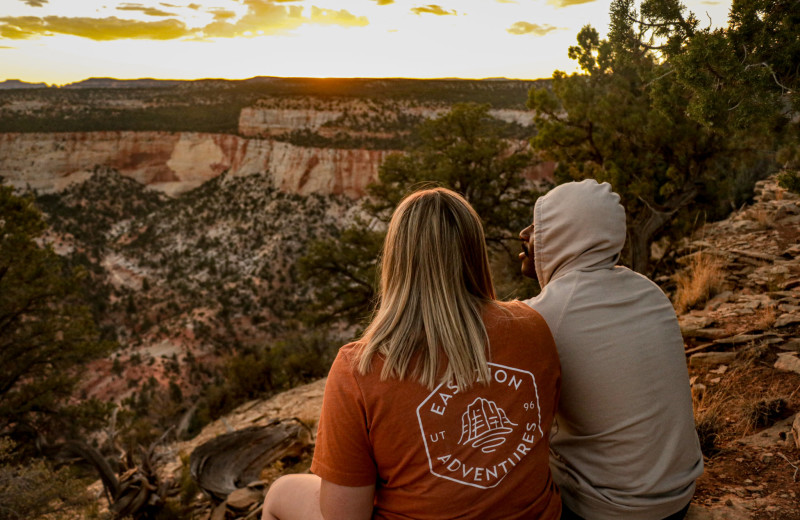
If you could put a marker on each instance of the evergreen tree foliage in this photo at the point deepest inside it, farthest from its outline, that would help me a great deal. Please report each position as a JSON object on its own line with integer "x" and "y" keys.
{"x": 643, "y": 115}
{"x": 462, "y": 150}
{"x": 46, "y": 332}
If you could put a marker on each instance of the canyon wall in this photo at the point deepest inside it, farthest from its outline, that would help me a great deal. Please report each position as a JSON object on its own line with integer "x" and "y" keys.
{"x": 177, "y": 162}
{"x": 259, "y": 121}
{"x": 255, "y": 121}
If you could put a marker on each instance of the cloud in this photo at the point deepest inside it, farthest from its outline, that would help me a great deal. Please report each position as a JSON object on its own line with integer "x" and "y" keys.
{"x": 34, "y": 3}
{"x": 267, "y": 17}
{"x": 149, "y": 11}
{"x": 222, "y": 14}
{"x": 98, "y": 29}
{"x": 567, "y": 3}
{"x": 384, "y": 2}
{"x": 506, "y": 1}
{"x": 531, "y": 28}
{"x": 262, "y": 17}
{"x": 333, "y": 17}
{"x": 432, "y": 9}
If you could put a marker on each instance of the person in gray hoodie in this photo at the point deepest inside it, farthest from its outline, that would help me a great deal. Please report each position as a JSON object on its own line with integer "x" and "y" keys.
{"x": 624, "y": 445}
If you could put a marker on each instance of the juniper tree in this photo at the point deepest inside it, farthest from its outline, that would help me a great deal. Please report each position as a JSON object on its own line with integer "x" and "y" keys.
{"x": 630, "y": 118}
{"x": 47, "y": 333}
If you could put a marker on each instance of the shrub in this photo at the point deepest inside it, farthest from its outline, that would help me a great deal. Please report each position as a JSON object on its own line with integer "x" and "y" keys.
{"x": 36, "y": 489}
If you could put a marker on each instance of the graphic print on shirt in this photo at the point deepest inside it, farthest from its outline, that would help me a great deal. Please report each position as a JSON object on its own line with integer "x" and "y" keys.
{"x": 484, "y": 425}
{"x": 476, "y": 437}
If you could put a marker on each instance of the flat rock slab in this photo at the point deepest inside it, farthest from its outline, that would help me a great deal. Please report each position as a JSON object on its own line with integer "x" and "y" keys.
{"x": 740, "y": 338}
{"x": 776, "y": 435}
{"x": 689, "y": 323}
{"x": 788, "y": 361}
{"x": 704, "y": 359}
{"x": 731, "y": 508}
{"x": 796, "y": 430}
{"x": 784, "y": 320}
{"x": 708, "y": 333}
{"x": 244, "y": 498}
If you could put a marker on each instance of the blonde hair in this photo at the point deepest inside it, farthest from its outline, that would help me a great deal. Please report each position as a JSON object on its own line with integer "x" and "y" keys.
{"x": 435, "y": 281}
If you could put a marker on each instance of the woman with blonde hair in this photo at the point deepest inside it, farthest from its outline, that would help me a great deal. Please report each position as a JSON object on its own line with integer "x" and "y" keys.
{"x": 442, "y": 409}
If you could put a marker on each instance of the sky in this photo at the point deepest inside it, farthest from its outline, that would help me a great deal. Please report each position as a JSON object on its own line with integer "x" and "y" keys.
{"x": 63, "y": 41}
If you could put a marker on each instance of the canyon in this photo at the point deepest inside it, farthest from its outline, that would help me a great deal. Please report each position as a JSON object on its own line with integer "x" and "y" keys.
{"x": 175, "y": 163}
{"x": 193, "y": 236}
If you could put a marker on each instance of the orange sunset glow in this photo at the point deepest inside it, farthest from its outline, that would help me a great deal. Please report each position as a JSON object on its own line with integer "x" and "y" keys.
{"x": 59, "y": 42}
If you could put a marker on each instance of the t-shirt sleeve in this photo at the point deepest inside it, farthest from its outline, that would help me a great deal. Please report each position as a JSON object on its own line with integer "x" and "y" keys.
{"x": 343, "y": 452}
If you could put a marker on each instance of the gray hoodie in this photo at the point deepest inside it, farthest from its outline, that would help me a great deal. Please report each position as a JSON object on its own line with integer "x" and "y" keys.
{"x": 625, "y": 444}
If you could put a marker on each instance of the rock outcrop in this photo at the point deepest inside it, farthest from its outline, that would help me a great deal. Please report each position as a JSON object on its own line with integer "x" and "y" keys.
{"x": 178, "y": 162}
{"x": 743, "y": 359}
{"x": 255, "y": 121}
{"x": 260, "y": 121}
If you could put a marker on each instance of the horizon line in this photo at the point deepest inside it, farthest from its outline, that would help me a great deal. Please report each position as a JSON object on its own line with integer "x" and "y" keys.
{"x": 109, "y": 78}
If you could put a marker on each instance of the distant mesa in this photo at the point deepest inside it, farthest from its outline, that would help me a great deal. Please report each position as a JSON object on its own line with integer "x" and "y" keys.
{"x": 10, "y": 84}
{"x": 123, "y": 83}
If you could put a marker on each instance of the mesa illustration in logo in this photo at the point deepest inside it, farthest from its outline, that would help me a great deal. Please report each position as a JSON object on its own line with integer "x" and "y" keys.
{"x": 476, "y": 437}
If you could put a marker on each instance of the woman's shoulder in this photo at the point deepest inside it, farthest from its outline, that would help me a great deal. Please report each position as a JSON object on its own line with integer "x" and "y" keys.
{"x": 517, "y": 316}
{"x": 512, "y": 310}
{"x": 348, "y": 355}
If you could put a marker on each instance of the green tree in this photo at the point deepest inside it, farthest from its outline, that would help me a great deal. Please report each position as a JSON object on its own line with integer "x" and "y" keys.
{"x": 744, "y": 76}
{"x": 46, "y": 331}
{"x": 623, "y": 119}
{"x": 461, "y": 150}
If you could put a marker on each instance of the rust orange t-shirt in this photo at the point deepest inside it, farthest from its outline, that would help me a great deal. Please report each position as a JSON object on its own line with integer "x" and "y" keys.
{"x": 443, "y": 454}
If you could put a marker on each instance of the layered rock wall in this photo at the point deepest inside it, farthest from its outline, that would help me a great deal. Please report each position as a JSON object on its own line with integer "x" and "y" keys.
{"x": 268, "y": 121}
{"x": 271, "y": 121}
{"x": 177, "y": 162}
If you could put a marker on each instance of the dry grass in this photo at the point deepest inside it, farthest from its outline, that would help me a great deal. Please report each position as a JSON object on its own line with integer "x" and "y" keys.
{"x": 747, "y": 398}
{"x": 757, "y": 413}
{"x": 764, "y": 218}
{"x": 700, "y": 280}
{"x": 764, "y": 319}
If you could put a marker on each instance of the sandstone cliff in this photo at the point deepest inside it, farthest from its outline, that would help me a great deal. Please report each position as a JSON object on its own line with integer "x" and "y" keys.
{"x": 177, "y": 162}
{"x": 272, "y": 119}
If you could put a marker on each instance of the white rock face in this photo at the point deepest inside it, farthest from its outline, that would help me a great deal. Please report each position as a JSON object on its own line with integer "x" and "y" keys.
{"x": 254, "y": 121}
{"x": 177, "y": 162}
{"x": 521, "y": 117}
{"x": 266, "y": 121}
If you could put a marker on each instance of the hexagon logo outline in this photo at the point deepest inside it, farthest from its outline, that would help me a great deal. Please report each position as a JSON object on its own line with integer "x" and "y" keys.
{"x": 476, "y": 438}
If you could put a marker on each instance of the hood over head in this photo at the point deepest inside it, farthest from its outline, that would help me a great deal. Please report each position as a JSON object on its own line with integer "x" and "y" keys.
{"x": 577, "y": 226}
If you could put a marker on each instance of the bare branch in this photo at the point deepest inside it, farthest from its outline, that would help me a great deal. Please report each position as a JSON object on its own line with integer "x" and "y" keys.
{"x": 646, "y": 85}
{"x": 784, "y": 88}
